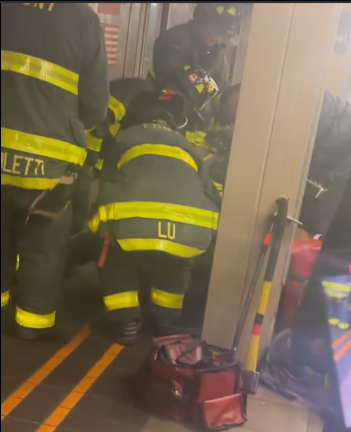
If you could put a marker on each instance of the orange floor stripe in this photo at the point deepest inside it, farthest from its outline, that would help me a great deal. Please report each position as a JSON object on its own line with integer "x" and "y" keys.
{"x": 341, "y": 339}
{"x": 343, "y": 350}
{"x": 27, "y": 387}
{"x": 61, "y": 412}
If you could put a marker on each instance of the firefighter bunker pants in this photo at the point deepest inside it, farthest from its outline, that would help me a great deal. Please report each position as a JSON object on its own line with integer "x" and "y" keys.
{"x": 168, "y": 276}
{"x": 41, "y": 245}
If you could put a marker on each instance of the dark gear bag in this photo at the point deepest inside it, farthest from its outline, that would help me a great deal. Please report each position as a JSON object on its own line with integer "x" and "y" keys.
{"x": 189, "y": 381}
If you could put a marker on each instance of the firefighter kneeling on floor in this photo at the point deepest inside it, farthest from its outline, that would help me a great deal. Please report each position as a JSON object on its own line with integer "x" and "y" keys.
{"x": 157, "y": 211}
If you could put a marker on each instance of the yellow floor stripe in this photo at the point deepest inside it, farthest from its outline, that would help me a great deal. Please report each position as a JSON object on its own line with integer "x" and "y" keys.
{"x": 61, "y": 412}
{"x": 38, "y": 377}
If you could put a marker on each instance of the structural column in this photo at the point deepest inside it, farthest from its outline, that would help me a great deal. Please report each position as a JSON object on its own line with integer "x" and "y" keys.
{"x": 284, "y": 76}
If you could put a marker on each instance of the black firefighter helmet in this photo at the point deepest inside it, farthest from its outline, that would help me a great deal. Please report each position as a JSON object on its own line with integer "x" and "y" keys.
{"x": 224, "y": 17}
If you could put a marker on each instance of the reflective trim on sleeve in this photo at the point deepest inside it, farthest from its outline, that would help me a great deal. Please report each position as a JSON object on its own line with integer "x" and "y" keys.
{"x": 117, "y": 108}
{"x": 167, "y": 300}
{"x": 5, "y": 298}
{"x": 155, "y": 210}
{"x": 17, "y": 263}
{"x": 218, "y": 186}
{"x": 40, "y": 69}
{"x": 115, "y": 128}
{"x": 157, "y": 150}
{"x": 122, "y": 301}
{"x": 336, "y": 290}
{"x": 28, "y": 182}
{"x": 93, "y": 143}
{"x": 34, "y": 321}
{"x": 99, "y": 164}
{"x": 167, "y": 246}
{"x": 42, "y": 146}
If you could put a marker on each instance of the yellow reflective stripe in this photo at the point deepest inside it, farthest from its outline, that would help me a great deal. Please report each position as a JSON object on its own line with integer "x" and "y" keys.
{"x": 99, "y": 164}
{"x": 17, "y": 263}
{"x": 198, "y": 139}
{"x": 117, "y": 108}
{"x": 336, "y": 295}
{"x": 34, "y": 321}
{"x": 122, "y": 301}
{"x": 42, "y": 146}
{"x": 152, "y": 72}
{"x": 219, "y": 187}
{"x": 158, "y": 150}
{"x": 332, "y": 286}
{"x": 156, "y": 210}
{"x": 40, "y": 69}
{"x": 195, "y": 137}
{"x": 167, "y": 300}
{"x": 93, "y": 143}
{"x": 114, "y": 128}
{"x": 28, "y": 182}
{"x": 5, "y": 298}
{"x": 167, "y": 246}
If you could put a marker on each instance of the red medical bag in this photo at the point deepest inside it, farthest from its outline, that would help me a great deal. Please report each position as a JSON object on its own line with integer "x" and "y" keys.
{"x": 188, "y": 381}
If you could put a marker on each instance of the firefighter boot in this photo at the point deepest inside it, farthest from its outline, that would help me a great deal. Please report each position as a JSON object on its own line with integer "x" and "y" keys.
{"x": 125, "y": 333}
{"x": 31, "y": 334}
{"x": 163, "y": 327}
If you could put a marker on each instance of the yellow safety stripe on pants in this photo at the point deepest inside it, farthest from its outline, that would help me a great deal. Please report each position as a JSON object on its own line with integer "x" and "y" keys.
{"x": 154, "y": 210}
{"x": 218, "y": 186}
{"x": 34, "y": 321}
{"x": 157, "y": 150}
{"x": 167, "y": 300}
{"x": 117, "y": 108}
{"x": 122, "y": 300}
{"x": 170, "y": 247}
{"x": 40, "y": 69}
{"x": 93, "y": 143}
{"x": 17, "y": 263}
{"x": 42, "y": 146}
{"x": 29, "y": 182}
{"x": 5, "y": 298}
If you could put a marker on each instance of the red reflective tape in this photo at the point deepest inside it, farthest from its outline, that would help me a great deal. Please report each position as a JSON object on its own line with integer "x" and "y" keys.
{"x": 257, "y": 329}
{"x": 267, "y": 239}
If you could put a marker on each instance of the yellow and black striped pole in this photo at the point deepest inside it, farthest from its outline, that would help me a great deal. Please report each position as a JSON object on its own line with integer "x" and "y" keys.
{"x": 251, "y": 360}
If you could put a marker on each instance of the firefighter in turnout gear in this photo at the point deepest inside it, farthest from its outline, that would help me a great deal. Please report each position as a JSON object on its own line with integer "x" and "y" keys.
{"x": 156, "y": 210}
{"x": 337, "y": 290}
{"x": 122, "y": 92}
{"x": 54, "y": 85}
{"x": 199, "y": 43}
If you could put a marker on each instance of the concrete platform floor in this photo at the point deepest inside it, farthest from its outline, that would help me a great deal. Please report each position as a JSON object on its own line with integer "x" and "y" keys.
{"x": 80, "y": 382}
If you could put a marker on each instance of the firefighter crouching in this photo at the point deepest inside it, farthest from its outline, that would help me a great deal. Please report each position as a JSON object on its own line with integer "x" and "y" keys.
{"x": 122, "y": 92}
{"x": 54, "y": 85}
{"x": 157, "y": 212}
{"x": 198, "y": 91}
